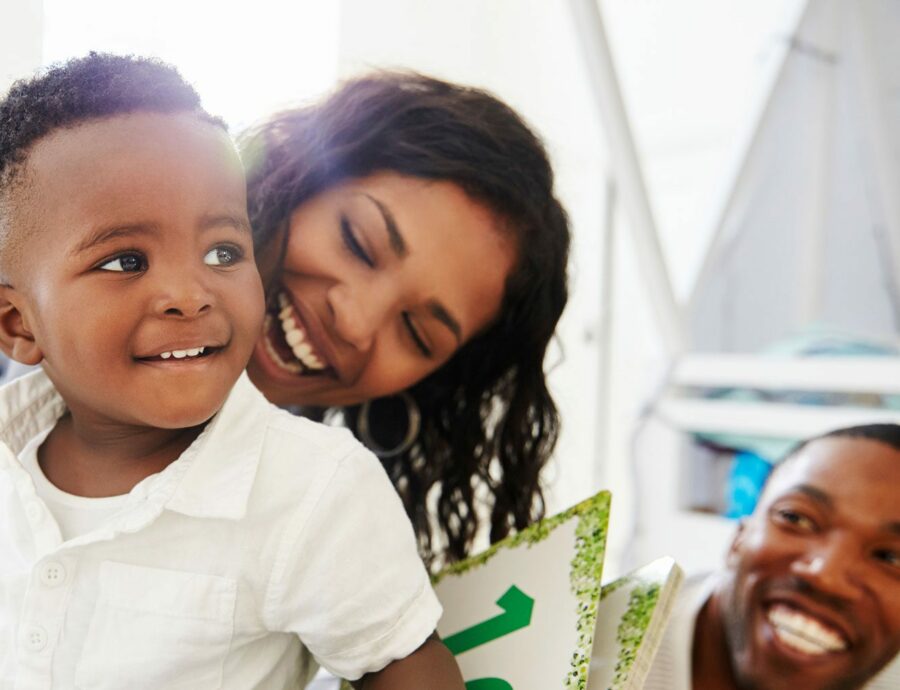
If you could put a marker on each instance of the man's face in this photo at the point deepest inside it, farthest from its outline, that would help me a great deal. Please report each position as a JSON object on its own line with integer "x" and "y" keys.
{"x": 813, "y": 597}
{"x": 139, "y": 284}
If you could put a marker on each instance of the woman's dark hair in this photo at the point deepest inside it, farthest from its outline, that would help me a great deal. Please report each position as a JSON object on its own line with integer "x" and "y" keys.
{"x": 488, "y": 419}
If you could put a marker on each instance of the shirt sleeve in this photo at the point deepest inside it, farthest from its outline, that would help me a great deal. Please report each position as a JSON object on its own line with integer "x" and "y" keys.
{"x": 348, "y": 579}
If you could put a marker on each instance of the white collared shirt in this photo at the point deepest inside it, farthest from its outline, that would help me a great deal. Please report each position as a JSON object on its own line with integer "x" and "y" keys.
{"x": 271, "y": 540}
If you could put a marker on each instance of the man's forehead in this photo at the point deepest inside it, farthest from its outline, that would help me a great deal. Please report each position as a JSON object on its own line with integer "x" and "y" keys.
{"x": 856, "y": 473}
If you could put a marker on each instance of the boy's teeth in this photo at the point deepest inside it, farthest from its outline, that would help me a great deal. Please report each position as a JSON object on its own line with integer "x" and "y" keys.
{"x": 181, "y": 354}
{"x": 804, "y": 633}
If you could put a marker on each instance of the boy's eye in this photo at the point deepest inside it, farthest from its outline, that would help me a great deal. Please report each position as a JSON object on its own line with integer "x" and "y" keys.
{"x": 222, "y": 256}
{"x": 125, "y": 263}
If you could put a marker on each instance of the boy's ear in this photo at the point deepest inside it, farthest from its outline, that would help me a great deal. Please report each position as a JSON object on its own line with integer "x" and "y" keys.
{"x": 16, "y": 339}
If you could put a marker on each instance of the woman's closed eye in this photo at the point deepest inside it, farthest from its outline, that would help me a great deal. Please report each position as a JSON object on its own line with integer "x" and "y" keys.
{"x": 353, "y": 244}
{"x": 416, "y": 335}
{"x": 127, "y": 262}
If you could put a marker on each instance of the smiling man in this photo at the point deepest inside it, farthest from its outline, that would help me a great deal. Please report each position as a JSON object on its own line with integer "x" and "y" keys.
{"x": 809, "y": 598}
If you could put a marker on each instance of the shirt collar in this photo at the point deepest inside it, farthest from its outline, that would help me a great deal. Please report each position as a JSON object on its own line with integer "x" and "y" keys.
{"x": 212, "y": 478}
{"x": 221, "y": 464}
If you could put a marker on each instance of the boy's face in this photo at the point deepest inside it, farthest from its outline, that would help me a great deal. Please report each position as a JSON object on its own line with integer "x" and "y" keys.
{"x": 139, "y": 253}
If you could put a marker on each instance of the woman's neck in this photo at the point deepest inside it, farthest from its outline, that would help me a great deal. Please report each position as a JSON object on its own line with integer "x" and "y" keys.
{"x": 96, "y": 461}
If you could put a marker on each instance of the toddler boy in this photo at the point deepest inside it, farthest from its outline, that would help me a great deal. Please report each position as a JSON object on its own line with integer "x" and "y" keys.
{"x": 161, "y": 524}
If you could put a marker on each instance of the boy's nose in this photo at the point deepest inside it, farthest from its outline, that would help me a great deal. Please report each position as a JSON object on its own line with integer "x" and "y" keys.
{"x": 182, "y": 296}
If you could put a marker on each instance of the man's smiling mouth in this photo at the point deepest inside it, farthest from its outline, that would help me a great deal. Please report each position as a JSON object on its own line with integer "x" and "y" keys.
{"x": 804, "y": 633}
{"x": 288, "y": 343}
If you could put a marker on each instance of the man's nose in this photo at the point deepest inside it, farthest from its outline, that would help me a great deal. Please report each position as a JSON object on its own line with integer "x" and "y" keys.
{"x": 182, "y": 293}
{"x": 359, "y": 313}
{"x": 830, "y": 567}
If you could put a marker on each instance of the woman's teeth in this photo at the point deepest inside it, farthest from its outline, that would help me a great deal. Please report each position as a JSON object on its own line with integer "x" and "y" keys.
{"x": 295, "y": 336}
{"x": 181, "y": 354}
{"x": 804, "y": 633}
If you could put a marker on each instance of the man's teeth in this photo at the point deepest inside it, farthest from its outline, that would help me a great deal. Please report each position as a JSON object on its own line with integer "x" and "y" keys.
{"x": 804, "y": 633}
{"x": 295, "y": 336}
{"x": 181, "y": 354}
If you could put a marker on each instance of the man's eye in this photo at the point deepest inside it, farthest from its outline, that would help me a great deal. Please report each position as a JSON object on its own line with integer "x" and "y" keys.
{"x": 793, "y": 518}
{"x": 125, "y": 263}
{"x": 889, "y": 556}
{"x": 222, "y": 256}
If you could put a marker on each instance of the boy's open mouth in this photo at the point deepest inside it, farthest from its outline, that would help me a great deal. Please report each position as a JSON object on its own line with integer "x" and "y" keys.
{"x": 287, "y": 342}
{"x": 190, "y": 353}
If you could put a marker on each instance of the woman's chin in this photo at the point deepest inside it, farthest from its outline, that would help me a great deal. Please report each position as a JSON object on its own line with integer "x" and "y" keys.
{"x": 284, "y": 387}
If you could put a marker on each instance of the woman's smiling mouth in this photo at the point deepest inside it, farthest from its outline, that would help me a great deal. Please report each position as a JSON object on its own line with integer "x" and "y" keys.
{"x": 287, "y": 341}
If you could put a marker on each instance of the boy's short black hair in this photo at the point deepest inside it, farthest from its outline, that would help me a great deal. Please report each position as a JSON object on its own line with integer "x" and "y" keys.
{"x": 96, "y": 86}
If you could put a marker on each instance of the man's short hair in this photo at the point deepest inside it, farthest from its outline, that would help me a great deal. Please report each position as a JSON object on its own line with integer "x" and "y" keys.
{"x": 888, "y": 434}
{"x": 97, "y": 86}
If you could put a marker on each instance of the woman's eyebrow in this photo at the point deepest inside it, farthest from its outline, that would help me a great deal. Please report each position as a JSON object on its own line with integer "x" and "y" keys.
{"x": 440, "y": 312}
{"x": 398, "y": 244}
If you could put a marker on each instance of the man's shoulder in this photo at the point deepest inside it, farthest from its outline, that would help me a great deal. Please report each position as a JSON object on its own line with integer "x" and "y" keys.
{"x": 671, "y": 668}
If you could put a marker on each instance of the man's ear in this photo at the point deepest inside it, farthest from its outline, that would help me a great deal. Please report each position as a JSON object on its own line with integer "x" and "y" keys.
{"x": 733, "y": 550}
{"x": 16, "y": 338}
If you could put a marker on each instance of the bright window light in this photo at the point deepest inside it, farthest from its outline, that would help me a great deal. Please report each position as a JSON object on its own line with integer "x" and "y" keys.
{"x": 245, "y": 59}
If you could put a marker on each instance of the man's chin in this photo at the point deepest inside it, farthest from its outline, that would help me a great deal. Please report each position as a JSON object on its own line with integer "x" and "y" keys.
{"x": 784, "y": 658}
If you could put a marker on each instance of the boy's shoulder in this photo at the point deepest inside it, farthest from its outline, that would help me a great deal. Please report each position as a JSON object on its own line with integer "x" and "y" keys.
{"x": 312, "y": 437}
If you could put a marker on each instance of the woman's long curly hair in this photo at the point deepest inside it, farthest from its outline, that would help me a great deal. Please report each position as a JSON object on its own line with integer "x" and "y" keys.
{"x": 489, "y": 423}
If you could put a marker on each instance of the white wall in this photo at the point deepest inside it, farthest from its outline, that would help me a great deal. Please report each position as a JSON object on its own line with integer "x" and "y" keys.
{"x": 21, "y": 39}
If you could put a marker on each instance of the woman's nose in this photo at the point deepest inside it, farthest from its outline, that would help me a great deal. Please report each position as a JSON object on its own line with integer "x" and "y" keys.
{"x": 830, "y": 567}
{"x": 358, "y": 313}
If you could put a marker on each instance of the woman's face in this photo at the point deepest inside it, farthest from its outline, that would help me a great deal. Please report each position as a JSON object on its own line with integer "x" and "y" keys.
{"x": 384, "y": 278}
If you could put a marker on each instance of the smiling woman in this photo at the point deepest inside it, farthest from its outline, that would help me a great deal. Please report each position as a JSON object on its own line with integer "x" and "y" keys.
{"x": 411, "y": 244}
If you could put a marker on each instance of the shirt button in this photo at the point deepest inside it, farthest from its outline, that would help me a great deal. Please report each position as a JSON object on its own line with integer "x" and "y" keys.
{"x": 53, "y": 574}
{"x": 36, "y": 638}
{"x": 34, "y": 512}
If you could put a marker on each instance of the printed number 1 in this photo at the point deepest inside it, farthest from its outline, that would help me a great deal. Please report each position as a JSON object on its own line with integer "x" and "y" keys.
{"x": 488, "y": 684}
{"x": 517, "y": 607}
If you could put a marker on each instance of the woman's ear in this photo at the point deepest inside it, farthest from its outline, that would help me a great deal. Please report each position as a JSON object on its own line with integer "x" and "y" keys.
{"x": 16, "y": 338}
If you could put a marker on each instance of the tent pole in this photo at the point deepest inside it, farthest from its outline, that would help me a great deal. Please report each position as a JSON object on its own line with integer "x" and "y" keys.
{"x": 741, "y": 175}
{"x": 626, "y": 171}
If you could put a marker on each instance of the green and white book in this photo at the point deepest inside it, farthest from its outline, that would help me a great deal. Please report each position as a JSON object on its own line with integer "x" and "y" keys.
{"x": 528, "y": 614}
{"x": 631, "y": 621}
{"x": 521, "y": 615}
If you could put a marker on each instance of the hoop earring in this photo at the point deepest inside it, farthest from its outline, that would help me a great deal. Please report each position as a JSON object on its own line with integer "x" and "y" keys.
{"x": 413, "y": 424}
